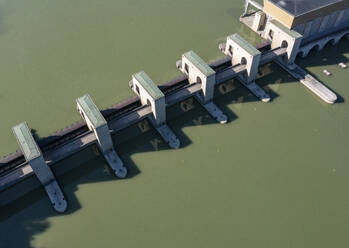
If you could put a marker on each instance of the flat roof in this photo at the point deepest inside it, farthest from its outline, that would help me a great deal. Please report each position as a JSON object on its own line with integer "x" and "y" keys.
{"x": 91, "y": 111}
{"x": 291, "y": 32}
{"x": 148, "y": 85}
{"x": 244, "y": 44}
{"x": 26, "y": 141}
{"x": 300, "y": 7}
{"x": 199, "y": 63}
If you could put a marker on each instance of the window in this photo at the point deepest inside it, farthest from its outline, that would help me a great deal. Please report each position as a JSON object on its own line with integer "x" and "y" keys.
{"x": 271, "y": 34}
{"x": 137, "y": 89}
{"x": 284, "y": 44}
{"x": 186, "y": 68}
{"x": 231, "y": 50}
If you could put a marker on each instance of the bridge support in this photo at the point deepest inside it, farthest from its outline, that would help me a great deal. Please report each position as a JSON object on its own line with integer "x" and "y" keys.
{"x": 242, "y": 52}
{"x": 35, "y": 159}
{"x": 280, "y": 36}
{"x": 152, "y": 96}
{"x": 309, "y": 81}
{"x": 96, "y": 123}
{"x": 199, "y": 72}
{"x": 259, "y": 21}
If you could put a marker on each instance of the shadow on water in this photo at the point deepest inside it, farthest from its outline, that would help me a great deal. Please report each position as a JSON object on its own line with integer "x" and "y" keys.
{"x": 28, "y": 216}
{"x": 272, "y": 74}
{"x": 330, "y": 55}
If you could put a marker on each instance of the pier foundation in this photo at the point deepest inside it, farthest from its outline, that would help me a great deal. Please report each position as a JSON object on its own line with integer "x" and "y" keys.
{"x": 310, "y": 82}
{"x": 280, "y": 36}
{"x": 96, "y": 123}
{"x": 243, "y": 53}
{"x": 150, "y": 95}
{"x": 35, "y": 159}
{"x": 198, "y": 72}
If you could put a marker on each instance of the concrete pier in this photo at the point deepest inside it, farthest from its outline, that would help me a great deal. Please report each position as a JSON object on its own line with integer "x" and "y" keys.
{"x": 150, "y": 95}
{"x": 280, "y": 36}
{"x": 285, "y": 45}
{"x": 169, "y": 137}
{"x": 198, "y": 72}
{"x": 215, "y": 112}
{"x": 255, "y": 89}
{"x": 96, "y": 123}
{"x": 310, "y": 82}
{"x": 243, "y": 53}
{"x": 34, "y": 158}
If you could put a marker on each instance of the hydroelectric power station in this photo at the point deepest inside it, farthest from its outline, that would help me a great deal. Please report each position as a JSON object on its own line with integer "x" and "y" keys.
{"x": 291, "y": 28}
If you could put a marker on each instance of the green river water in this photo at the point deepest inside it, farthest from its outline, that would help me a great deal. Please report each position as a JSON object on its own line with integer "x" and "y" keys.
{"x": 275, "y": 176}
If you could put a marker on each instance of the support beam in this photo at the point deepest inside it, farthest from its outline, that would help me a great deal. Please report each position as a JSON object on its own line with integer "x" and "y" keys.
{"x": 96, "y": 123}
{"x": 150, "y": 95}
{"x": 35, "y": 159}
{"x": 199, "y": 72}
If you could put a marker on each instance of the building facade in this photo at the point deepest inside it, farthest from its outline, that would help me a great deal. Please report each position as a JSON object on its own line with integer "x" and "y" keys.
{"x": 313, "y": 19}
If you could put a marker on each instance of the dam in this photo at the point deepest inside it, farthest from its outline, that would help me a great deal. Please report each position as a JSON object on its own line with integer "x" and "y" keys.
{"x": 242, "y": 62}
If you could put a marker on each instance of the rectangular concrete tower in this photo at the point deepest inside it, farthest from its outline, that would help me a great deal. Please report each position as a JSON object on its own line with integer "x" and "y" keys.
{"x": 281, "y": 36}
{"x": 150, "y": 95}
{"x": 199, "y": 72}
{"x": 35, "y": 159}
{"x": 96, "y": 123}
{"x": 242, "y": 52}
